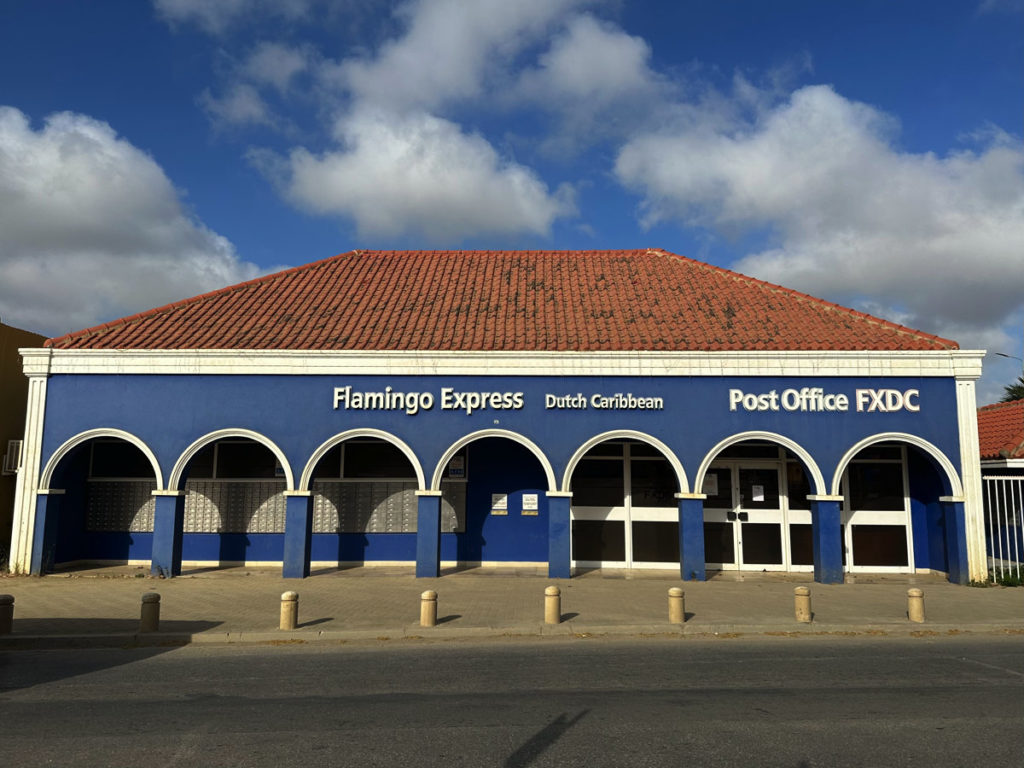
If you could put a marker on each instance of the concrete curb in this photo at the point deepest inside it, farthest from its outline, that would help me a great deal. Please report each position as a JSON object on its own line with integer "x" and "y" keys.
{"x": 565, "y": 630}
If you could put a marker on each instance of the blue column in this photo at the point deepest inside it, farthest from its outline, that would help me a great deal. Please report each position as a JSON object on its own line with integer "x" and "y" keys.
{"x": 559, "y": 536}
{"x": 956, "y": 540}
{"x": 428, "y": 534}
{"x": 168, "y": 529}
{"x": 44, "y": 536}
{"x": 298, "y": 534}
{"x": 827, "y": 539}
{"x": 691, "y": 536}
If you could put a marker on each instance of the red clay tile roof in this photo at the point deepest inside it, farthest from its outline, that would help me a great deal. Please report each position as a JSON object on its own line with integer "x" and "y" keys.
{"x": 1001, "y": 430}
{"x": 509, "y": 300}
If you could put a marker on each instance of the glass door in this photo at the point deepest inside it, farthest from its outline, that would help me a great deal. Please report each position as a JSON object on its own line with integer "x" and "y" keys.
{"x": 743, "y": 516}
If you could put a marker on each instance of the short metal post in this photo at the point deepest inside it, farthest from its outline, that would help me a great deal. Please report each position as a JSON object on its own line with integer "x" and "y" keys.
{"x": 6, "y": 614}
{"x": 802, "y": 599}
{"x": 676, "y": 606}
{"x": 289, "y": 610}
{"x": 149, "y": 620}
{"x": 915, "y": 605}
{"x": 552, "y": 605}
{"x": 428, "y": 609}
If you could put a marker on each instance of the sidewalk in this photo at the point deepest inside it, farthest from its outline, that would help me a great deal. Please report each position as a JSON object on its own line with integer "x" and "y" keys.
{"x": 100, "y": 607}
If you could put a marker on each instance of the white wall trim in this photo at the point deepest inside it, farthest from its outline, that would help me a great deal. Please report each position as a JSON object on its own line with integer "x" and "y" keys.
{"x": 817, "y": 479}
{"x": 938, "y": 363}
{"x": 532, "y": 447}
{"x": 91, "y": 434}
{"x": 179, "y": 467}
{"x": 970, "y": 470}
{"x": 327, "y": 445}
{"x": 26, "y": 483}
{"x": 626, "y": 434}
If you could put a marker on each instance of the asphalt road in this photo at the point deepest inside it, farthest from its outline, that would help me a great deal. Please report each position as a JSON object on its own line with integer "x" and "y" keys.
{"x": 586, "y": 702}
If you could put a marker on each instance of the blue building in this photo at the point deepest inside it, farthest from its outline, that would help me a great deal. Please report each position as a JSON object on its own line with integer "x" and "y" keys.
{"x": 628, "y": 409}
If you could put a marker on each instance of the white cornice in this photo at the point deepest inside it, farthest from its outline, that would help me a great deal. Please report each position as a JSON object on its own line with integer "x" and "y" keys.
{"x": 962, "y": 364}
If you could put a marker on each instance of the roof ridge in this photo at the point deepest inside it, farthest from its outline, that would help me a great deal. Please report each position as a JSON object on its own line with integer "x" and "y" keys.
{"x": 1007, "y": 404}
{"x": 806, "y": 297}
{"x": 121, "y": 322}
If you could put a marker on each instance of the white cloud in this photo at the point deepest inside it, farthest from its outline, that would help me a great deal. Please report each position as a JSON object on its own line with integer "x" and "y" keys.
{"x": 92, "y": 229}
{"x": 936, "y": 241}
{"x": 275, "y": 64}
{"x": 241, "y": 105}
{"x": 448, "y": 50}
{"x": 214, "y": 16}
{"x": 420, "y": 174}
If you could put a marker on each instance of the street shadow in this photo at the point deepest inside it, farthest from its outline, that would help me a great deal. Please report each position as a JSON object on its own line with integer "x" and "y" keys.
{"x": 449, "y": 617}
{"x": 568, "y": 616}
{"x": 314, "y": 622}
{"x": 541, "y": 740}
{"x": 101, "y": 626}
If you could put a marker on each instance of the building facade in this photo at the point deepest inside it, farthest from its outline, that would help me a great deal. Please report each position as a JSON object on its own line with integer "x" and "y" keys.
{"x": 574, "y": 409}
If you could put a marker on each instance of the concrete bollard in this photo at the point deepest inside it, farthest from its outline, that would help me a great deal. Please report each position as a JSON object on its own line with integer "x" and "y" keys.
{"x": 289, "y": 610}
{"x": 428, "y": 609}
{"x": 552, "y": 605}
{"x": 915, "y": 605}
{"x": 149, "y": 620}
{"x": 802, "y": 599}
{"x": 6, "y": 614}
{"x": 676, "y": 606}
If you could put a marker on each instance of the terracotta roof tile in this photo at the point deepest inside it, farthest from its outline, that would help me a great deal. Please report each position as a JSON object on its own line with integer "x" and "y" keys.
{"x": 1001, "y": 430}
{"x": 627, "y": 300}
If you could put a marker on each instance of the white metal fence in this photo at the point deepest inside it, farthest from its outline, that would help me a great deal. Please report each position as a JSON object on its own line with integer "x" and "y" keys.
{"x": 1004, "y": 519}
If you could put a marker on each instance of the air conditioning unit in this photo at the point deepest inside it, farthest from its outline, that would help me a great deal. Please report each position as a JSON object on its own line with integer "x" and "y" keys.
{"x": 12, "y": 459}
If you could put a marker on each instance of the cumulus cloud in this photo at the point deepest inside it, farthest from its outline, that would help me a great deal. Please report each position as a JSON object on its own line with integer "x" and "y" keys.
{"x": 597, "y": 78}
{"x": 936, "y": 242}
{"x": 448, "y": 50}
{"x": 215, "y": 16}
{"x": 242, "y": 104}
{"x": 420, "y": 174}
{"x": 91, "y": 228}
{"x": 275, "y": 64}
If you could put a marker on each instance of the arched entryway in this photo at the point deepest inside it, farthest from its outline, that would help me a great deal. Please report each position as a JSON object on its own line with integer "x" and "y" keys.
{"x": 97, "y": 501}
{"x": 624, "y": 504}
{"x": 757, "y": 510}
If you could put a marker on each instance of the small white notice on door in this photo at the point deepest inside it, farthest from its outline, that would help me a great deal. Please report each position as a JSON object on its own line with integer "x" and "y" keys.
{"x": 757, "y": 492}
{"x": 530, "y": 503}
{"x": 710, "y": 486}
{"x": 499, "y": 504}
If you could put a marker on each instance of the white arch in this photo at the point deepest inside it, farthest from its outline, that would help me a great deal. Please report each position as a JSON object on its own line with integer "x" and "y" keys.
{"x": 884, "y": 437}
{"x": 81, "y": 437}
{"x": 817, "y": 479}
{"x": 179, "y": 467}
{"x": 549, "y": 473}
{"x": 319, "y": 453}
{"x": 626, "y": 434}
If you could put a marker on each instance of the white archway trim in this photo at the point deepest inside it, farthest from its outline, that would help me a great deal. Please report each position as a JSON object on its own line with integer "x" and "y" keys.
{"x": 532, "y": 447}
{"x": 81, "y": 437}
{"x": 817, "y": 479}
{"x": 220, "y": 434}
{"x": 627, "y": 434}
{"x": 885, "y": 437}
{"x": 387, "y": 437}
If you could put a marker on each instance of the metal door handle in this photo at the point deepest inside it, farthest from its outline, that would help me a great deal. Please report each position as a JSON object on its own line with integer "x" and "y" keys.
{"x": 730, "y": 515}
{"x": 744, "y": 516}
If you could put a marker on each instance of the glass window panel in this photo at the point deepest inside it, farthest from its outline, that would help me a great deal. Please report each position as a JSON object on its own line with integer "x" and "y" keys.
{"x": 598, "y": 483}
{"x": 879, "y": 545}
{"x": 598, "y": 540}
{"x": 718, "y": 490}
{"x": 201, "y": 465}
{"x": 762, "y": 543}
{"x": 718, "y": 543}
{"x": 117, "y": 458}
{"x": 652, "y": 483}
{"x": 605, "y": 449}
{"x": 245, "y": 460}
{"x": 801, "y": 544}
{"x": 799, "y": 485}
{"x": 329, "y": 467}
{"x": 880, "y": 451}
{"x": 759, "y": 489}
{"x": 636, "y": 448}
{"x": 656, "y": 542}
{"x": 376, "y": 459}
{"x": 876, "y": 487}
{"x": 750, "y": 451}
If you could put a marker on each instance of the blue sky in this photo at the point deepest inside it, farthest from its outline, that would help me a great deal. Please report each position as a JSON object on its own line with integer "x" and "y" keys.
{"x": 865, "y": 152}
